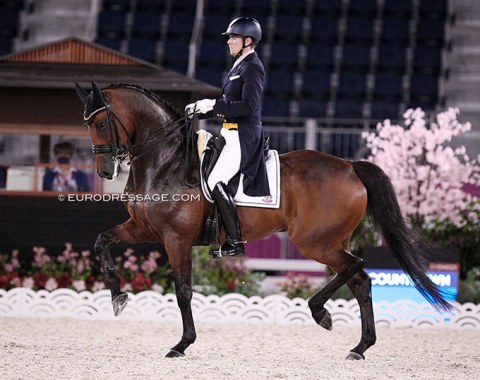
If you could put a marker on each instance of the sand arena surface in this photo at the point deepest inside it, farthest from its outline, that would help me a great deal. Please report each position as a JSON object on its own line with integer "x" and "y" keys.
{"x": 81, "y": 349}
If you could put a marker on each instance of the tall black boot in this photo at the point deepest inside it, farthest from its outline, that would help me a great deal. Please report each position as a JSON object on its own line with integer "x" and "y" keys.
{"x": 234, "y": 244}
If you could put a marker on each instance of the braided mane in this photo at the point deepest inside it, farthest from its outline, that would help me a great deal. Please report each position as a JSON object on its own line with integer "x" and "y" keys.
{"x": 149, "y": 93}
{"x": 188, "y": 174}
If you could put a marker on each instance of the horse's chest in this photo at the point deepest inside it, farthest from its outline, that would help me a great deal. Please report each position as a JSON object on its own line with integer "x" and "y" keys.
{"x": 144, "y": 212}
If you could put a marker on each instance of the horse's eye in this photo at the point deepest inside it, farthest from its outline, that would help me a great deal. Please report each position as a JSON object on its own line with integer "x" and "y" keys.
{"x": 101, "y": 124}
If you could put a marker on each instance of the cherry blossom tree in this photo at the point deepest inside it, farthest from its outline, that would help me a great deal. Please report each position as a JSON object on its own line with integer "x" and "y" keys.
{"x": 428, "y": 174}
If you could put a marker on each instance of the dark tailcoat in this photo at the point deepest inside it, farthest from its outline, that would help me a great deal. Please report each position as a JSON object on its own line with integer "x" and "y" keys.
{"x": 241, "y": 104}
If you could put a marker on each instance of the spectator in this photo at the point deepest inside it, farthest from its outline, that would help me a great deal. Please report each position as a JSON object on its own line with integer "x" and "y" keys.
{"x": 65, "y": 177}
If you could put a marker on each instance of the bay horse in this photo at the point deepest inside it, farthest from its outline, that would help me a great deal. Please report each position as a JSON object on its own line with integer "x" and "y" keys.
{"x": 323, "y": 199}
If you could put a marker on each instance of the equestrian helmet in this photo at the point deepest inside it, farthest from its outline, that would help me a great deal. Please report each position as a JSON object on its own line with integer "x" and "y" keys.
{"x": 245, "y": 27}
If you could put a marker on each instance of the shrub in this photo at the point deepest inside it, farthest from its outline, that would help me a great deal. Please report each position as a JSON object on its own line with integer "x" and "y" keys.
{"x": 228, "y": 275}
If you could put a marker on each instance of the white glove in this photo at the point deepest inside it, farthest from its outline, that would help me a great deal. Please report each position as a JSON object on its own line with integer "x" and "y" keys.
{"x": 204, "y": 105}
{"x": 189, "y": 110}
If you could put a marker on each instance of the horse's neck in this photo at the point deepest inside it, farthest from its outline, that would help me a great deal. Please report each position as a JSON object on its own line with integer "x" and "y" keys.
{"x": 159, "y": 167}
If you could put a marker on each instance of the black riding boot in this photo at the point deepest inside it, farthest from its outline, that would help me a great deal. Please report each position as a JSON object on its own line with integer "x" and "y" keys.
{"x": 234, "y": 244}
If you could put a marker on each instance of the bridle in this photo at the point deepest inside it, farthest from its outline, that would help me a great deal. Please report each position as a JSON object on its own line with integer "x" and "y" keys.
{"x": 120, "y": 151}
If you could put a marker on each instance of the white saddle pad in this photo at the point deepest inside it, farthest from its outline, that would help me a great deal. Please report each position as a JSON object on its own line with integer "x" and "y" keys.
{"x": 241, "y": 199}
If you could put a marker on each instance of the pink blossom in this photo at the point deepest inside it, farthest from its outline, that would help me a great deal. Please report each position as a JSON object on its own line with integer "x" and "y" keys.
{"x": 427, "y": 173}
{"x": 128, "y": 252}
{"x": 158, "y": 288}
{"x": 40, "y": 257}
{"x": 97, "y": 285}
{"x": 51, "y": 284}
{"x": 149, "y": 266}
{"x": 80, "y": 266}
{"x": 16, "y": 282}
{"x": 131, "y": 265}
{"x": 28, "y": 282}
{"x": 79, "y": 285}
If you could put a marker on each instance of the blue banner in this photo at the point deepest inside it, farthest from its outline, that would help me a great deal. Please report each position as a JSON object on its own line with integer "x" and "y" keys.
{"x": 394, "y": 284}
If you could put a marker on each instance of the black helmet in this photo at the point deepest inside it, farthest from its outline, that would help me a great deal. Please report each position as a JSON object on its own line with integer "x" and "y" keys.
{"x": 246, "y": 27}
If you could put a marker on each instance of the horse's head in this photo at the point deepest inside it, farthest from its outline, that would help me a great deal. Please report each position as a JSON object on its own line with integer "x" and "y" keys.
{"x": 110, "y": 136}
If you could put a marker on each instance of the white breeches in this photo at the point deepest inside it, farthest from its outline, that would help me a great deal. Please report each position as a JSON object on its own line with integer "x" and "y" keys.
{"x": 228, "y": 163}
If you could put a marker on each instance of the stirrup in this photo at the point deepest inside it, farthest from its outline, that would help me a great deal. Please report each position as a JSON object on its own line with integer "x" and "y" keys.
{"x": 232, "y": 248}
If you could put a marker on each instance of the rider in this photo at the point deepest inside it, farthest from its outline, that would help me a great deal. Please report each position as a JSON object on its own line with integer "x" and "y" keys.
{"x": 240, "y": 107}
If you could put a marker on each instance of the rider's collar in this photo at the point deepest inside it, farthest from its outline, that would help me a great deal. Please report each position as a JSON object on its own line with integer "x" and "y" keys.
{"x": 242, "y": 57}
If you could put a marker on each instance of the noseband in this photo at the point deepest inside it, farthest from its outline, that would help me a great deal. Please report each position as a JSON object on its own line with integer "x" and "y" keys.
{"x": 120, "y": 151}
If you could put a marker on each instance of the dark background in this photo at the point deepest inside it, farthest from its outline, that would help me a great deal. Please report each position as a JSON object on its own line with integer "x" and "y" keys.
{"x": 44, "y": 221}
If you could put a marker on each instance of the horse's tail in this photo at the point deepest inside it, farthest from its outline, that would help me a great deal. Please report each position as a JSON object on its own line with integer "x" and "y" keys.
{"x": 405, "y": 245}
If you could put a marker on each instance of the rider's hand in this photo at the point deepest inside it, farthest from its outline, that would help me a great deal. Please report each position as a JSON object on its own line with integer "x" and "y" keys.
{"x": 204, "y": 106}
{"x": 190, "y": 110}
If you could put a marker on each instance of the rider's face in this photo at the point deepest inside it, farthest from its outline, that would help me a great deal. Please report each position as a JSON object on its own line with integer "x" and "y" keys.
{"x": 235, "y": 44}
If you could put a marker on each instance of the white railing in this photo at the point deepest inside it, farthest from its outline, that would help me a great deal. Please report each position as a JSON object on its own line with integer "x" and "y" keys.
{"x": 344, "y": 141}
{"x": 149, "y": 305}
{"x": 340, "y": 137}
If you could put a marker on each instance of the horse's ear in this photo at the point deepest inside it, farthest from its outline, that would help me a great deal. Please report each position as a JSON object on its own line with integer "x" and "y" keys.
{"x": 82, "y": 94}
{"x": 98, "y": 99}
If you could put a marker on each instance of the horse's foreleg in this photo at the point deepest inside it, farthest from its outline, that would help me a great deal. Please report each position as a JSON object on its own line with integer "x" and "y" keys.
{"x": 361, "y": 286}
{"x": 123, "y": 233}
{"x": 345, "y": 265}
{"x": 180, "y": 257}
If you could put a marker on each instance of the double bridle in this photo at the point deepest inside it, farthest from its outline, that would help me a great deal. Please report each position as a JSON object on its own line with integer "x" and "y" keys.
{"x": 120, "y": 151}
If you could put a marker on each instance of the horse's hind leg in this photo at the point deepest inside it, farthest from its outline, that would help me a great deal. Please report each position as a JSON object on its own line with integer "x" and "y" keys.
{"x": 361, "y": 286}
{"x": 345, "y": 265}
{"x": 124, "y": 233}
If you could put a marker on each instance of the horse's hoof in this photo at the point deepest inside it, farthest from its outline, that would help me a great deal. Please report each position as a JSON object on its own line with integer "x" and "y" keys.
{"x": 354, "y": 356}
{"x": 119, "y": 303}
{"x": 324, "y": 319}
{"x": 174, "y": 354}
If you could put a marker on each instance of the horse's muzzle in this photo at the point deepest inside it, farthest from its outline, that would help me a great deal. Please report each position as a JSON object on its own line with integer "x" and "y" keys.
{"x": 105, "y": 174}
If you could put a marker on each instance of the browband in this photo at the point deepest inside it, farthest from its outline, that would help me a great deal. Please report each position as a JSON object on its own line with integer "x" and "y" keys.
{"x": 92, "y": 114}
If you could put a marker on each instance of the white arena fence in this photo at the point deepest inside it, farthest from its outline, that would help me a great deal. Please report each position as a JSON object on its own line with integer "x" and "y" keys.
{"x": 277, "y": 309}
{"x": 340, "y": 137}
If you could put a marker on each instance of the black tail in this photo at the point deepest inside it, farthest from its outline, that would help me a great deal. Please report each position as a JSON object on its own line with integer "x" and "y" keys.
{"x": 405, "y": 245}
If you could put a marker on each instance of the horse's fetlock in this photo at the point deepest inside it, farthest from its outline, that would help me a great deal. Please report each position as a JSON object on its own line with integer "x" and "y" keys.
{"x": 190, "y": 337}
{"x": 358, "y": 265}
{"x": 371, "y": 340}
